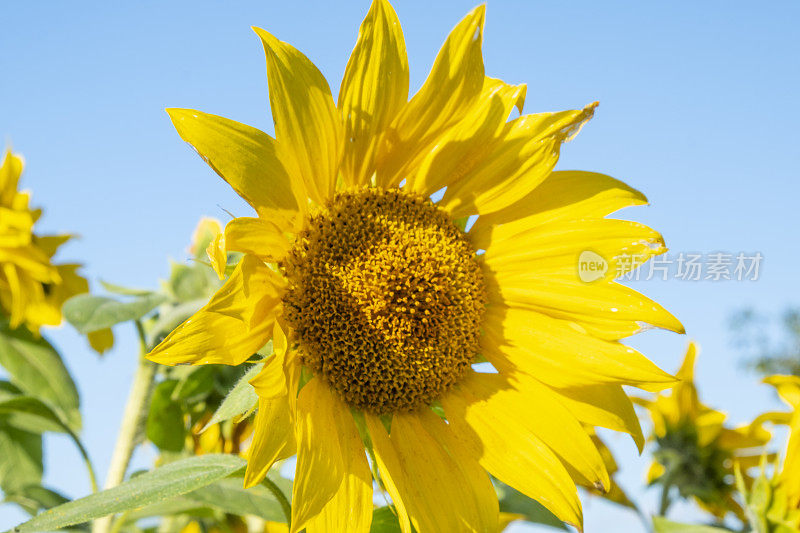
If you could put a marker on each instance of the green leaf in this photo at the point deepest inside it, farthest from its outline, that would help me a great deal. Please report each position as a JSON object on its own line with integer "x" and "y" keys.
{"x": 34, "y": 498}
{"x": 229, "y": 495}
{"x": 88, "y": 313}
{"x": 173, "y": 506}
{"x": 239, "y": 400}
{"x": 513, "y": 501}
{"x": 124, "y": 291}
{"x": 30, "y": 414}
{"x": 165, "y": 427}
{"x": 191, "y": 282}
{"x": 36, "y": 368}
{"x": 20, "y": 458}
{"x": 662, "y": 525}
{"x": 384, "y": 520}
{"x": 198, "y": 382}
{"x": 173, "y": 479}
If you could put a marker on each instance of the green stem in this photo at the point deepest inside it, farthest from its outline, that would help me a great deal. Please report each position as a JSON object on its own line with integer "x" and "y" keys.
{"x": 133, "y": 419}
{"x": 665, "y": 501}
{"x": 278, "y": 493}
{"x": 86, "y": 460}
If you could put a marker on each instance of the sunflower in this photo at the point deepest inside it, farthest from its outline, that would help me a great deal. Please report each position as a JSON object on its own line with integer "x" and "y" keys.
{"x": 695, "y": 450}
{"x": 33, "y": 287}
{"x": 446, "y": 354}
{"x": 774, "y": 503}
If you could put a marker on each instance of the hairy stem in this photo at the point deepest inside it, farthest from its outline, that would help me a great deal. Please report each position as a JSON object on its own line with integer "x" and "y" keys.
{"x": 132, "y": 420}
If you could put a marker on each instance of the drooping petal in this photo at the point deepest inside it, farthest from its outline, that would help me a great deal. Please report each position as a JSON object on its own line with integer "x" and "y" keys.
{"x": 467, "y": 141}
{"x": 258, "y": 237}
{"x": 236, "y": 322}
{"x": 561, "y": 354}
{"x": 605, "y": 406}
{"x": 374, "y": 89}
{"x": 437, "y": 492}
{"x": 350, "y": 509}
{"x": 326, "y": 434}
{"x": 307, "y": 123}
{"x": 270, "y": 382}
{"x": 387, "y": 461}
{"x": 519, "y": 159}
{"x": 563, "y": 195}
{"x": 451, "y": 89}
{"x": 273, "y": 438}
{"x": 538, "y": 411}
{"x": 509, "y": 450}
{"x": 247, "y": 158}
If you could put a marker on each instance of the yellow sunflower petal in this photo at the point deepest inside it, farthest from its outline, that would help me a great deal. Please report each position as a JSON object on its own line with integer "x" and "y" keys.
{"x": 387, "y": 461}
{"x": 433, "y": 488}
{"x": 520, "y": 159}
{"x": 374, "y": 89}
{"x": 326, "y": 434}
{"x": 655, "y": 471}
{"x": 561, "y": 354}
{"x": 454, "y": 83}
{"x": 246, "y": 158}
{"x": 235, "y": 323}
{"x": 10, "y": 171}
{"x": 540, "y": 413}
{"x": 510, "y": 451}
{"x": 465, "y": 143}
{"x": 608, "y": 310}
{"x": 270, "y": 382}
{"x": 307, "y": 123}
{"x": 787, "y": 387}
{"x": 258, "y": 237}
{"x": 350, "y": 509}
{"x": 273, "y": 438}
{"x": 563, "y": 195}
{"x": 217, "y": 255}
{"x": 605, "y": 406}
{"x": 552, "y": 250}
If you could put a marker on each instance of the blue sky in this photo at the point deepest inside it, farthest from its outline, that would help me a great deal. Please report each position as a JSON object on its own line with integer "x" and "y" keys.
{"x": 697, "y": 105}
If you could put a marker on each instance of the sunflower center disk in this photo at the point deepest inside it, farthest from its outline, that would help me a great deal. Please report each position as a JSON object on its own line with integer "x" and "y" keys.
{"x": 385, "y": 298}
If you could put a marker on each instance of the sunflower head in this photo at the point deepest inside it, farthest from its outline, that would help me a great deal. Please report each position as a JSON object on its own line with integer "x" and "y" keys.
{"x": 386, "y": 296}
{"x": 381, "y": 300}
{"x": 32, "y": 286}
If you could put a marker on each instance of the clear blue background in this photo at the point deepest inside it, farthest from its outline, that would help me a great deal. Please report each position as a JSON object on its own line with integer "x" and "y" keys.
{"x": 698, "y": 110}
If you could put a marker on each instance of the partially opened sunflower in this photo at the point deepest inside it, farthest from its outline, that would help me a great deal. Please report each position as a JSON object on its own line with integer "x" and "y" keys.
{"x": 379, "y": 303}
{"x": 696, "y": 451}
{"x": 32, "y": 286}
{"x": 774, "y": 499}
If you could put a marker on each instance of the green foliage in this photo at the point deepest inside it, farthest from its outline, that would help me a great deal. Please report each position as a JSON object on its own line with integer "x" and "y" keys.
{"x": 662, "y": 525}
{"x": 513, "y": 501}
{"x": 165, "y": 425}
{"x": 239, "y": 400}
{"x": 384, "y": 520}
{"x": 36, "y": 368}
{"x": 88, "y": 313}
{"x": 768, "y": 351}
{"x": 174, "y": 479}
{"x": 21, "y": 453}
{"x": 230, "y": 496}
{"x": 34, "y": 498}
